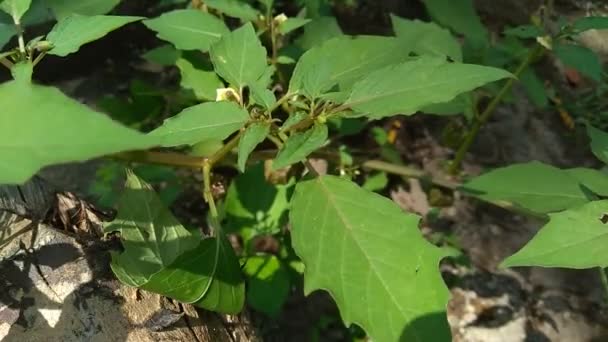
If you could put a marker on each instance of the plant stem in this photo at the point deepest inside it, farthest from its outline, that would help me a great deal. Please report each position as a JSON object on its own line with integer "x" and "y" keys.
{"x": 5, "y": 62}
{"x": 487, "y": 113}
{"x": 161, "y": 158}
{"x": 222, "y": 152}
{"x": 604, "y": 280}
{"x": 279, "y": 102}
{"x": 409, "y": 172}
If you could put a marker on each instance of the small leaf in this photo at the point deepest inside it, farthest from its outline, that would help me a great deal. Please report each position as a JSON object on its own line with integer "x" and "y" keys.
{"x": 69, "y": 34}
{"x": 203, "y": 83}
{"x": 234, "y": 8}
{"x": 165, "y": 55}
{"x": 342, "y": 62}
{"x": 599, "y": 143}
{"x": 64, "y": 8}
{"x": 538, "y": 187}
{"x": 253, "y": 135}
{"x": 591, "y": 23}
{"x": 15, "y": 8}
{"x": 7, "y": 31}
{"x": 188, "y": 29}
{"x": 581, "y": 59}
{"x": 40, "y": 126}
{"x": 152, "y": 238}
{"x": 376, "y": 182}
{"x": 373, "y": 260}
{"x": 575, "y": 238}
{"x": 239, "y": 57}
{"x": 427, "y": 38}
{"x": 318, "y": 31}
{"x": 292, "y": 24}
{"x": 254, "y": 204}
{"x": 205, "y": 121}
{"x": 534, "y": 87}
{"x": 262, "y": 96}
{"x": 268, "y": 284}
{"x": 524, "y": 31}
{"x": 411, "y": 86}
{"x": 300, "y": 145}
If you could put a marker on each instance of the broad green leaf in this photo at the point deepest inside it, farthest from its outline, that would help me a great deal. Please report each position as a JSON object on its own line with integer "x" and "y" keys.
{"x": 427, "y": 38}
{"x": 262, "y": 96}
{"x": 292, "y": 24}
{"x": 234, "y": 8}
{"x": 239, "y": 57}
{"x": 318, "y": 31}
{"x": 408, "y": 87}
{"x": 188, "y": 29}
{"x": 40, "y": 126}
{"x": 15, "y": 8}
{"x": 591, "y": 23}
{"x": 343, "y": 61}
{"x": 575, "y": 238}
{"x": 460, "y": 104}
{"x": 152, "y": 238}
{"x": 596, "y": 181}
{"x": 69, "y": 34}
{"x": 580, "y": 58}
{"x": 524, "y": 31}
{"x": 268, "y": 284}
{"x": 65, "y": 8}
{"x": 300, "y": 145}
{"x": 535, "y": 186}
{"x": 371, "y": 257}
{"x": 165, "y": 55}
{"x": 253, "y": 135}
{"x": 253, "y": 204}
{"x": 534, "y": 88}
{"x": 599, "y": 143}
{"x": 203, "y": 83}
{"x": 205, "y": 121}
{"x": 460, "y": 16}
{"x": 203, "y": 276}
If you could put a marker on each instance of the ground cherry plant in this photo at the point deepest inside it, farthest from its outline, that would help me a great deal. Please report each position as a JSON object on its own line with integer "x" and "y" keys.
{"x": 262, "y": 78}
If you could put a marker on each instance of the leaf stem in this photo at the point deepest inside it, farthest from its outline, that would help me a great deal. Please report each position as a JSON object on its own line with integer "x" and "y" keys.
{"x": 487, "y": 113}
{"x": 5, "y": 62}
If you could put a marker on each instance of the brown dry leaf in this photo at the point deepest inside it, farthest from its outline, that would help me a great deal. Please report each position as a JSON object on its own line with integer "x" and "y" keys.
{"x": 414, "y": 200}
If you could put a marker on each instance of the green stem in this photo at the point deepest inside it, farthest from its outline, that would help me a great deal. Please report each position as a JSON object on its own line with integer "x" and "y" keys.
{"x": 487, "y": 113}
{"x": 604, "y": 280}
{"x": 279, "y": 102}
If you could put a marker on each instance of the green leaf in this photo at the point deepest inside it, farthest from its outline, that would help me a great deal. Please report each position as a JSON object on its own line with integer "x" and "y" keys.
{"x": 591, "y": 23}
{"x": 460, "y": 104}
{"x": 65, "y": 8}
{"x": 165, "y": 55}
{"x": 538, "y": 187}
{"x": 319, "y": 31}
{"x": 524, "y": 31}
{"x": 343, "y": 61}
{"x": 15, "y": 8}
{"x": 40, "y": 126}
{"x": 205, "y": 121}
{"x": 371, "y": 257}
{"x": 239, "y": 57}
{"x": 69, "y": 34}
{"x": 188, "y": 29}
{"x": 599, "y": 143}
{"x": 575, "y": 238}
{"x": 262, "y": 96}
{"x": 427, "y": 38}
{"x": 460, "y": 17}
{"x": 410, "y": 86}
{"x": 596, "y": 181}
{"x": 7, "y": 31}
{"x": 534, "y": 87}
{"x": 252, "y": 203}
{"x": 300, "y": 145}
{"x": 292, "y": 24}
{"x": 206, "y": 276}
{"x": 268, "y": 284}
{"x": 376, "y": 182}
{"x": 234, "y": 8}
{"x": 203, "y": 83}
{"x": 580, "y": 58}
{"x": 254, "y": 134}
{"x": 152, "y": 238}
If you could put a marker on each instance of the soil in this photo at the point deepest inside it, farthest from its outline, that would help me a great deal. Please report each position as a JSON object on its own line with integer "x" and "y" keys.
{"x": 488, "y": 303}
